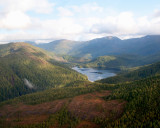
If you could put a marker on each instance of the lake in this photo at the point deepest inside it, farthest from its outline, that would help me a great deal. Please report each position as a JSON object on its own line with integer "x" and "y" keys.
{"x": 95, "y": 74}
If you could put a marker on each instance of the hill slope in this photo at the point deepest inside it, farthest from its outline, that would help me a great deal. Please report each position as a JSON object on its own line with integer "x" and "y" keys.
{"x": 134, "y": 104}
{"x": 143, "y": 108}
{"x": 141, "y": 73}
{"x": 98, "y": 47}
{"x": 121, "y": 62}
{"x": 25, "y": 69}
{"x": 59, "y": 46}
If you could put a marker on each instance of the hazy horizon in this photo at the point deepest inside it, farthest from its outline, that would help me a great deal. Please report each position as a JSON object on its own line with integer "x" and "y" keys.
{"x": 39, "y": 41}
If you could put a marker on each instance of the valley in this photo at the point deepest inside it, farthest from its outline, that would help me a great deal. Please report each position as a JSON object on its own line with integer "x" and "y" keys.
{"x": 105, "y": 82}
{"x": 79, "y": 63}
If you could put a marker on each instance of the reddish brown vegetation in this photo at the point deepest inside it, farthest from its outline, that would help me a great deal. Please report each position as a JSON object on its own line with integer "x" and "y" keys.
{"x": 29, "y": 114}
{"x": 86, "y": 107}
{"x": 86, "y": 124}
{"x": 91, "y": 106}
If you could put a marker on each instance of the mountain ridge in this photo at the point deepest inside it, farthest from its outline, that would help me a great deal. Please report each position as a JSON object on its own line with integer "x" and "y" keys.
{"x": 109, "y": 45}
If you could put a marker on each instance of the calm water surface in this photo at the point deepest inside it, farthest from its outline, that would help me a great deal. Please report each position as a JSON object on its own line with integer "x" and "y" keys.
{"x": 95, "y": 74}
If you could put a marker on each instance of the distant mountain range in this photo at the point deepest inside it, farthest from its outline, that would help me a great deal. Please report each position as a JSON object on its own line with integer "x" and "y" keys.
{"x": 144, "y": 46}
{"x": 58, "y": 46}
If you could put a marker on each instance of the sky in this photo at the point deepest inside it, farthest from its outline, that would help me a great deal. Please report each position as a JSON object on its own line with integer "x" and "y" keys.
{"x": 77, "y": 19}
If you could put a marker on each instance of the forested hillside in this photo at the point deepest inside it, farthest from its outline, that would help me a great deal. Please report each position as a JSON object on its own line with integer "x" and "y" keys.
{"x": 25, "y": 69}
{"x": 141, "y": 73}
{"x": 143, "y": 104}
{"x": 120, "y": 62}
{"x": 140, "y": 98}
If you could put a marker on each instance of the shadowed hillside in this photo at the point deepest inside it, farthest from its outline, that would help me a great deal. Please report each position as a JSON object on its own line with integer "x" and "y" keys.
{"x": 25, "y": 69}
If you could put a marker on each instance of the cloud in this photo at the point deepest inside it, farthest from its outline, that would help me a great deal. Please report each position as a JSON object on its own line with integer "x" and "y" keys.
{"x": 124, "y": 23}
{"x": 39, "y": 6}
{"x": 14, "y": 13}
{"x": 63, "y": 12}
{"x": 19, "y": 35}
{"x": 149, "y": 25}
{"x": 15, "y": 20}
{"x": 62, "y": 27}
{"x": 156, "y": 13}
{"x": 87, "y": 8}
{"x": 72, "y": 22}
{"x": 42, "y": 6}
{"x": 28, "y": 84}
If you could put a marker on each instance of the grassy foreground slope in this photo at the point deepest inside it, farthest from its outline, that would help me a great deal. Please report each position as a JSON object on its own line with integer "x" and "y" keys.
{"x": 25, "y": 69}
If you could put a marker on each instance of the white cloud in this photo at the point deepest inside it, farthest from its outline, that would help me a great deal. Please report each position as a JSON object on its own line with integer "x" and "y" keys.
{"x": 39, "y": 6}
{"x": 63, "y": 12}
{"x": 149, "y": 25}
{"x": 15, "y": 20}
{"x": 156, "y": 13}
{"x": 87, "y": 8}
{"x": 4, "y": 42}
{"x": 28, "y": 83}
{"x": 106, "y": 25}
{"x": 42, "y": 6}
{"x": 14, "y": 12}
{"x": 126, "y": 24}
{"x": 82, "y": 22}
{"x": 62, "y": 28}
{"x": 19, "y": 35}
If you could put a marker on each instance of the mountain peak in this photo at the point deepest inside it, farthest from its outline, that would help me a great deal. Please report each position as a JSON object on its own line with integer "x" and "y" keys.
{"x": 111, "y": 37}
